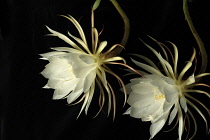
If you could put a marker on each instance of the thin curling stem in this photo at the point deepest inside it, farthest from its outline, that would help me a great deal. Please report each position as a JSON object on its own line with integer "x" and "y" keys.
{"x": 196, "y": 36}
{"x": 126, "y": 28}
{"x": 95, "y": 6}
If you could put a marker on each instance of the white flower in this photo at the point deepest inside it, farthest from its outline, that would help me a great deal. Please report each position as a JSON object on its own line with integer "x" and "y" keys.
{"x": 73, "y": 72}
{"x": 70, "y": 74}
{"x": 159, "y": 96}
{"x": 151, "y": 99}
{"x": 148, "y": 96}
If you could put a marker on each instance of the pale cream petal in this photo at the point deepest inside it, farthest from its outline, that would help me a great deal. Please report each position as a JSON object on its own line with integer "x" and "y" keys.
{"x": 46, "y": 86}
{"x": 138, "y": 80}
{"x": 81, "y": 68}
{"x": 87, "y": 59}
{"x": 147, "y": 67}
{"x": 183, "y": 103}
{"x": 137, "y": 100}
{"x": 64, "y": 38}
{"x": 78, "y": 90}
{"x": 74, "y": 95}
{"x": 102, "y": 45}
{"x": 181, "y": 122}
{"x": 66, "y": 49}
{"x": 65, "y": 88}
{"x": 58, "y": 96}
{"x": 155, "y": 108}
{"x": 54, "y": 83}
{"x": 53, "y": 54}
{"x": 57, "y": 68}
{"x": 128, "y": 88}
{"x": 143, "y": 88}
{"x": 83, "y": 44}
{"x": 158, "y": 125}
{"x": 89, "y": 80}
{"x": 171, "y": 92}
{"x": 173, "y": 114}
{"x": 128, "y": 111}
{"x": 189, "y": 81}
{"x": 137, "y": 112}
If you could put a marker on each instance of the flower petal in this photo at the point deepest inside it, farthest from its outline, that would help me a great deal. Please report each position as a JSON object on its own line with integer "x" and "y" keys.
{"x": 128, "y": 111}
{"x": 183, "y": 103}
{"x": 140, "y": 100}
{"x": 64, "y": 89}
{"x": 173, "y": 114}
{"x": 136, "y": 112}
{"x": 64, "y": 38}
{"x": 143, "y": 88}
{"x": 78, "y": 90}
{"x": 66, "y": 49}
{"x": 158, "y": 125}
{"x": 89, "y": 80}
{"x": 50, "y": 54}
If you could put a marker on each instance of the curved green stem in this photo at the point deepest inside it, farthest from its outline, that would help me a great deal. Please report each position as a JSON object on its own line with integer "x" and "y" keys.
{"x": 95, "y": 6}
{"x": 126, "y": 28}
{"x": 196, "y": 36}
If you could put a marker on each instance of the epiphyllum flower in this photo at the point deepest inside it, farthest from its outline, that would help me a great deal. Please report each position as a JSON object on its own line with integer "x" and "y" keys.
{"x": 73, "y": 72}
{"x": 160, "y": 95}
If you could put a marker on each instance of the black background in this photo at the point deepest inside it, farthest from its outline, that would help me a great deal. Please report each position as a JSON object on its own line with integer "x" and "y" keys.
{"x": 28, "y": 111}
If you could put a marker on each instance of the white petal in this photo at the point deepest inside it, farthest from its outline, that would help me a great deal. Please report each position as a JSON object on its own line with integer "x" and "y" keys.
{"x": 181, "y": 122}
{"x": 189, "y": 81}
{"x": 46, "y": 86}
{"x": 138, "y": 80}
{"x": 128, "y": 88}
{"x": 63, "y": 37}
{"x": 74, "y": 95}
{"x": 183, "y": 103}
{"x": 137, "y": 100}
{"x": 87, "y": 59}
{"x": 137, "y": 112}
{"x": 54, "y": 83}
{"x": 143, "y": 88}
{"x": 169, "y": 68}
{"x": 89, "y": 80}
{"x": 78, "y": 90}
{"x": 102, "y": 45}
{"x": 167, "y": 106}
{"x": 171, "y": 92}
{"x": 80, "y": 68}
{"x": 128, "y": 111}
{"x": 66, "y": 49}
{"x": 51, "y": 54}
{"x": 147, "y": 68}
{"x": 173, "y": 114}
{"x": 65, "y": 88}
{"x": 156, "y": 108}
{"x": 57, "y": 68}
{"x": 158, "y": 125}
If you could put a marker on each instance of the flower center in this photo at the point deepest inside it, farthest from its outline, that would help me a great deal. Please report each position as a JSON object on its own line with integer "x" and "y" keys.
{"x": 158, "y": 95}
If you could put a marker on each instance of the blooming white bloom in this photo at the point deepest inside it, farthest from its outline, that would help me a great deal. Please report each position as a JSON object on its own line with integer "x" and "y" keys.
{"x": 148, "y": 96}
{"x": 73, "y": 72}
{"x": 70, "y": 74}
{"x": 158, "y": 96}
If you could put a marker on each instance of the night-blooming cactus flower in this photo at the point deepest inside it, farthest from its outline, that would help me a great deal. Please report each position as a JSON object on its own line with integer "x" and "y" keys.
{"x": 74, "y": 71}
{"x": 161, "y": 95}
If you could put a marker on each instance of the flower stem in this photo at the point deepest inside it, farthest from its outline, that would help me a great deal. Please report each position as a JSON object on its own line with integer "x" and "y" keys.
{"x": 95, "y": 6}
{"x": 126, "y": 28}
{"x": 196, "y": 36}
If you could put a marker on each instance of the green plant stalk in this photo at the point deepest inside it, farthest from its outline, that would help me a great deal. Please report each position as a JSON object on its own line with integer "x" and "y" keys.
{"x": 126, "y": 28}
{"x": 196, "y": 36}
